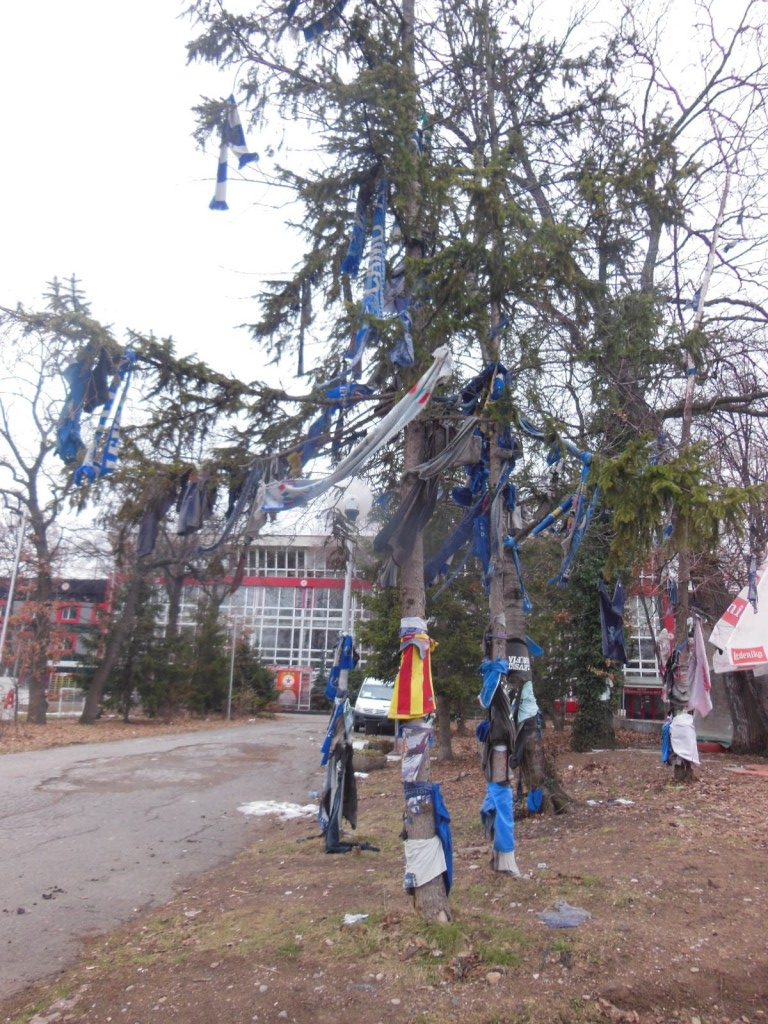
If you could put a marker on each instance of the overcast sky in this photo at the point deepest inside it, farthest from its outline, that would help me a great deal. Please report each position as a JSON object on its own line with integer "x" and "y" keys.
{"x": 100, "y": 176}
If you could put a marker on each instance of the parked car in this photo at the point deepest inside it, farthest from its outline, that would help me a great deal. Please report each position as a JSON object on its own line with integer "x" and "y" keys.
{"x": 372, "y": 705}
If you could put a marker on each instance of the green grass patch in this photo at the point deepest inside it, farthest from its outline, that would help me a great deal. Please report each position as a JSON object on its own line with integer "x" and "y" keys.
{"x": 504, "y": 947}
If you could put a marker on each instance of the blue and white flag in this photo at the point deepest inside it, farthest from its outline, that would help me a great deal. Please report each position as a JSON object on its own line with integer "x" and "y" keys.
{"x": 232, "y": 139}
{"x": 373, "y": 296}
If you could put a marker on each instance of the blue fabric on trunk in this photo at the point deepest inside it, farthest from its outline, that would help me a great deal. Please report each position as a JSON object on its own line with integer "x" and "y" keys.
{"x": 442, "y": 821}
{"x": 493, "y": 672}
{"x": 535, "y": 801}
{"x": 497, "y": 815}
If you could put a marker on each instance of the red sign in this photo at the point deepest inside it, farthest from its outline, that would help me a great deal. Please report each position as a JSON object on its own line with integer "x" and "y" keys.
{"x": 748, "y": 655}
{"x": 735, "y": 611}
{"x": 288, "y": 682}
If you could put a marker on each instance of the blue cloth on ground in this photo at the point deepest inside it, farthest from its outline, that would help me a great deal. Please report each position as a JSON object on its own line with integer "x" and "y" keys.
{"x": 564, "y": 916}
{"x": 497, "y": 816}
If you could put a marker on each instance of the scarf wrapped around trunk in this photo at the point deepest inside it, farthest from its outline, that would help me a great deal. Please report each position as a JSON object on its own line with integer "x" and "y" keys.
{"x": 414, "y": 695}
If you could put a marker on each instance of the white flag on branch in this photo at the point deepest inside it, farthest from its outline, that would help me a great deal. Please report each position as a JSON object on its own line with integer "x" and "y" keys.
{"x": 742, "y": 633}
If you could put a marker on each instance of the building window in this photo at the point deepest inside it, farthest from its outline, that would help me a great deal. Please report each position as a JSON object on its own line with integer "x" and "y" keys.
{"x": 640, "y": 647}
{"x": 69, "y": 613}
{"x": 278, "y": 561}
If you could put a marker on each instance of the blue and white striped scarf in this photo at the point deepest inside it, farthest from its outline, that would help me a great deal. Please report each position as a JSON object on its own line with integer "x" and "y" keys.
{"x": 100, "y": 457}
{"x": 373, "y": 296}
{"x": 232, "y": 139}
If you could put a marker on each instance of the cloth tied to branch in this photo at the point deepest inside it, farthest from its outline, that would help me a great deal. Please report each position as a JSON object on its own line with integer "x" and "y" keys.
{"x": 232, "y": 139}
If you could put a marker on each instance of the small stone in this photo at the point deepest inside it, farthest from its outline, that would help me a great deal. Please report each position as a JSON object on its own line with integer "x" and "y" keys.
{"x": 695, "y": 1020}
{"x": 283, "y": 1014}
{"x": 379, "y": 976}
{"x": 395, "y": 1002}
{"x": 263, "y": 988}
{"x": 694, "y": 970}
{"x": 493, "y": 977}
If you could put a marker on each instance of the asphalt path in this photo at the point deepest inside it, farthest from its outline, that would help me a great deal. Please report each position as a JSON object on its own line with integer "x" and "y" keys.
{"x": 91, "y": 835}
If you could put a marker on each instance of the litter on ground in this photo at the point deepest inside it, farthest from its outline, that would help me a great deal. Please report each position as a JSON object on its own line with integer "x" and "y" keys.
{"x": 564, "y": 916}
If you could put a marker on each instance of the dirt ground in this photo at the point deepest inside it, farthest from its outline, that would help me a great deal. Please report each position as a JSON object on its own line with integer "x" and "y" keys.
{"x": 675, "y": 882}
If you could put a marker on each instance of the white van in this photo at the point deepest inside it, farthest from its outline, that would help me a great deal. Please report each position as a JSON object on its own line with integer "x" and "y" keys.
{"x": 372, "y": 705}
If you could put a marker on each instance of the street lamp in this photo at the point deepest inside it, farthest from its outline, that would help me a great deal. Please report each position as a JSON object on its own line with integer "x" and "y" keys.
{"x": 351, "y": 512}
{"x": 12, "y": 585}
{"x": 231, "y": 668}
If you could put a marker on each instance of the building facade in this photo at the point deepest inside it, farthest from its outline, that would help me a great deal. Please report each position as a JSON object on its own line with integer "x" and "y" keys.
{"x": 289, "y": 605}
{"x": 647, "y": 612}
{"x": 78, "y": 612}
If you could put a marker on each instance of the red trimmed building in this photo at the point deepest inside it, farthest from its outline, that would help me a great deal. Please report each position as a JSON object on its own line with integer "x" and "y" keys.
{"x": 289, "y": 605}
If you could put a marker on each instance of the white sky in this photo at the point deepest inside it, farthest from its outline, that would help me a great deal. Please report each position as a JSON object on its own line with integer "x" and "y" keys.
{"x": 101, "y": 177}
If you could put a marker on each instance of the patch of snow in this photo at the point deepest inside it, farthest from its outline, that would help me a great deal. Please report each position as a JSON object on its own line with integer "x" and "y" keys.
{"x": 282, "y": 810}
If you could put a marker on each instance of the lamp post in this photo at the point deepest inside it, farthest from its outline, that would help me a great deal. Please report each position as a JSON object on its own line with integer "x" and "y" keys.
{"x": 231, "y": 670}
{"x": 351, "y": 512}
{"x": 12, "y": 586}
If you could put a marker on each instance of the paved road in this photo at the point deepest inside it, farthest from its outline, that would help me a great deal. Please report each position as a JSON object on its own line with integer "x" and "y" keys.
{"x": 90, "y": 835}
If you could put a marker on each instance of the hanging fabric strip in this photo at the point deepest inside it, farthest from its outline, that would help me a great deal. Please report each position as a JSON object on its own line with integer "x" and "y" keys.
{"x": 343, "y": 658}
{"x": 403, "y": 354}
{"x": 289, "y": 493}
{"x": 99, "y": 460}
{"x": 552, "y": 518}
{"x": 110, "y": 454}
{"x": 373, "y": 295}
{"x": 316, "y": 28}
{"x": 243, "y": 505}
{"x": 612, "y": 622}
{"x": 350, "y": 265}
{"x": 232, "y": 139}
{"x": 752, "y": 583}
{"x": 512, "y": 546}
{"x": 699, "y": 680}
{"x": 454, "y": 451}
{"x": 439, "y": 563}
{"x": 581, "y": 525}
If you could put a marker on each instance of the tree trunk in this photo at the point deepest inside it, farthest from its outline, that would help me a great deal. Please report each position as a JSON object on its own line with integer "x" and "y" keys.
{"x": 39, "y": 671}
{"x": 748, "y": 700}
{"x": 114, "y": 648}
{"x": 444, "y": 748}
{"x": 431, "y": 899}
